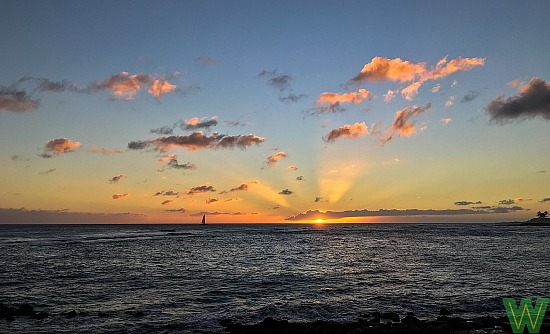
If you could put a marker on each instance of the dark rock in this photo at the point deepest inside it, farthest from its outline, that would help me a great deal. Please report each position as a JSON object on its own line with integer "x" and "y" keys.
{"x": 39, "y": 315}
{"x": 444, "y": 311}
{"x": 410, "y": 320}
{"x": 69, "y": 315}
{"x": 390, "y": 316}
{"x": 26, "y": 310}
{"x": 138, "y": 314}
{"x": 102, "y": 314}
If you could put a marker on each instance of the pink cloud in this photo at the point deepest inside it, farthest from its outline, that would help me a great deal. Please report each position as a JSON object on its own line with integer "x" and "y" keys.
{"x": 273, "y": 159}
{"x": 347, "y": 131}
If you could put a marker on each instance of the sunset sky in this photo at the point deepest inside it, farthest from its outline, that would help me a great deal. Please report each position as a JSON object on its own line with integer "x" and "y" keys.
{"x": 279, "y": 111}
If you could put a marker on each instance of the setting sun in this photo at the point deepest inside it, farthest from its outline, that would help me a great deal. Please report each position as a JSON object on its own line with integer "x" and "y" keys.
{"x": 319, "y": 220}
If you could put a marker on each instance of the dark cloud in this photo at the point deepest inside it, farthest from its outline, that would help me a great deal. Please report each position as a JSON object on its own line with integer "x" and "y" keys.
{"x": 281, "y": 82}
{"x": 116, "y": 178}
{"x": 500, "y": 209}
{"x": 244, "y": 186}
{"x": 216, "y": 213}
{"x": 199, "y": 123}
{"x": 163, "y": 130}
{"x": 329, "y": 108}
{"x": 211, "y": 200}
{"x": 13, "y": 100}
{"x": 300, "y": 178}
{"x": 290, "y": 98}
{"x": 180, "y": 210}
{"x": 64, "y": 216}
{"x": 173, "y": 163}
{"x": 470, "y": 96}
{"x": 544, "y": 200}
{"x": 506, "y": 202}
{"x": 167, "y": 193}
{"x": 533, "y": 101}
{"x": 137, "y": 145}
{"x": 318, "y": 199}
{"x": 467, "y": 203}
{"x": 198, "y": 140}
{"x": 285, "y": 192}
{"x": 200, "y": 189}
{"x": 165, "y": 202}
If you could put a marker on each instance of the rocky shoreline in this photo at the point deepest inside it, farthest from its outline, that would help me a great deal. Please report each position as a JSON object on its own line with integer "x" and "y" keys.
{"x": 382, "y": 323}
{"x": 369, "y": 323}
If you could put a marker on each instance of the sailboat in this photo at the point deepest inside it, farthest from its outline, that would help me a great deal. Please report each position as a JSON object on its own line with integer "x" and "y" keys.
{"x": 203, "y": 222}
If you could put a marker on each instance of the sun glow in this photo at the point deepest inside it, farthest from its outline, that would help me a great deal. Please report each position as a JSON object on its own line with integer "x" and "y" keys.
{"x": 319, "y": 220}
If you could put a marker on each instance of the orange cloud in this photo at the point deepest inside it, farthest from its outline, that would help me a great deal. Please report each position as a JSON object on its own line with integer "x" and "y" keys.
{"x": 119, "y": 196}
{"x": 401, "y": 124}
{"x": 292, "y": 167}
{"x": 348, "y": 131}
{"x": 273, "y": 159}
{"x": 125, "y": 86}
{"x": 160, "y": 87}
{"x": 59, "y": 146}
{"x": 411, "y": 90}
{"x": 382, "y": 69}
{"x": 352, "y": 97}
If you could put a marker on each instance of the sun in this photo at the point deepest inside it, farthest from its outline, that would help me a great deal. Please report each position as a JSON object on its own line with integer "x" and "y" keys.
{"x": 319, "y": 220}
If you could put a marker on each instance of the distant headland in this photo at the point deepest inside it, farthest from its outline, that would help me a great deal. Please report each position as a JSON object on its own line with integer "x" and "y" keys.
{"x": 541, "y": 220}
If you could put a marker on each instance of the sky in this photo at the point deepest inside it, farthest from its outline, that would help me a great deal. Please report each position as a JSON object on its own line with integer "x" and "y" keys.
{"x": 281, "y": 111}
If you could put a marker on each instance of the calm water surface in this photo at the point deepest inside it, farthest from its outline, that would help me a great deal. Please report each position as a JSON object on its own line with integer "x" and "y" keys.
{"x": 185, "y": 278}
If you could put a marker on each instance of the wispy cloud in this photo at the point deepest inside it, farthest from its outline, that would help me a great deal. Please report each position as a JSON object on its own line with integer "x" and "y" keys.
{"x": 104, "y": 151}
{"x": 533, "y": 101}
{"x": 470, "y": 96}
{"x": 506, "y": 202}
{"x": 117, "y": 178}
{"x": 401, "y": 125}
{"x": 207, "y": 60}
{"x": 180, "y": 210}
{"x": 59, "y": 146}
{"x": 291, "y": 97}
{"x": 120, "y": 196}
{"x": 242, "y": 187}
{"x": 278, "y": 81}
{"x": 467, "y": 203}
{"x": 292, "y": 167}
{"x": 273, "y": 159}
{"x": 544, "y": 200}
{"x": 389, "y": 96}
{"x": 197, "y": 141}
{"x": 446, "y": 120}
{"x": 348, "y": 131}
{"x": 166, "y": 202}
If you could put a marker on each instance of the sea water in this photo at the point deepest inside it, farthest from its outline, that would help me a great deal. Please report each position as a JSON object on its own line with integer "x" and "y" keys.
{"x": 186, "y": 278}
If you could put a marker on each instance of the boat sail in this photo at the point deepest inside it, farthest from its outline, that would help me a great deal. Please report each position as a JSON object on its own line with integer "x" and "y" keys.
{"x": 203, "y": 222}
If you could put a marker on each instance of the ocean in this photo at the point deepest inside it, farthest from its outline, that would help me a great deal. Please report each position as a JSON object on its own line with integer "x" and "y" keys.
{"x": 186, "y": 278}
